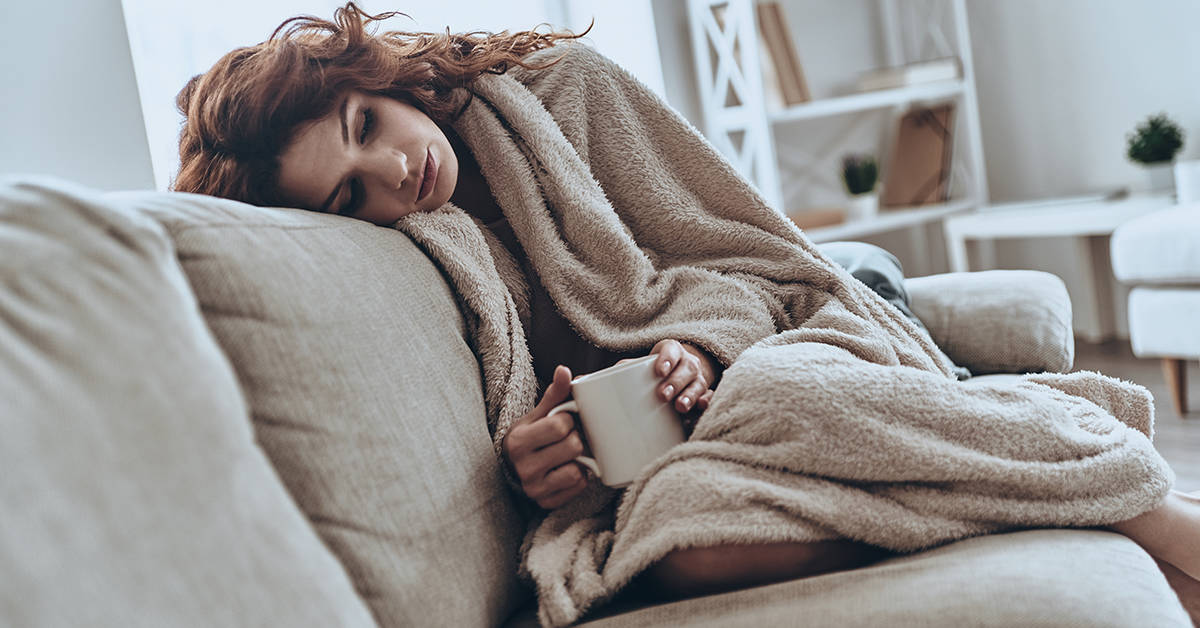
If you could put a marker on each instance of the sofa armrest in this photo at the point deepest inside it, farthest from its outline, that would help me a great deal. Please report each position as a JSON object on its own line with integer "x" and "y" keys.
{"x": 998, "y": 321}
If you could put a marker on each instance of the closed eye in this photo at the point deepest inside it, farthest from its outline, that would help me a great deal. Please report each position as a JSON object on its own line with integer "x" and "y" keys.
{"x": 355, "y": 202}
{"x": 367, "y": 125}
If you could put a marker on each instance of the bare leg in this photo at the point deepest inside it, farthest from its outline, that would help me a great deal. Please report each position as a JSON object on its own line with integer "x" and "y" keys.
{"x": 1170, "y": 532}
{"x": 704, "y": 570}
{"x": 1186, "y": 587}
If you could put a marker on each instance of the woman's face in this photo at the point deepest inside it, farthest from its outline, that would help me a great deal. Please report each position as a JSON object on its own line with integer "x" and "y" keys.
{"x": 372, "y": 158}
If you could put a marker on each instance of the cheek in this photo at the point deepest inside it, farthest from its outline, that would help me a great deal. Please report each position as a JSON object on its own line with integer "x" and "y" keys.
{"x": 448, "y": 177}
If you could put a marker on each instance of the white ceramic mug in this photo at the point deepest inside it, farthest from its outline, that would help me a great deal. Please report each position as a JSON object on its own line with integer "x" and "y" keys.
{"x": 626, "y": 424}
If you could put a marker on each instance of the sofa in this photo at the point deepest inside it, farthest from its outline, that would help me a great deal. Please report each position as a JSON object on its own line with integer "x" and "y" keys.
{"x": 1158, "y": 256}
{"x": 224, "y": 415}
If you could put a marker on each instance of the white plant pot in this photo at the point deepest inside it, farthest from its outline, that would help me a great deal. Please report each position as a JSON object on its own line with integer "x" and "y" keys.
{"x": 1187, "y": 181}
{"x": 1161, "y": 176}
{"x": 862, "y": 206}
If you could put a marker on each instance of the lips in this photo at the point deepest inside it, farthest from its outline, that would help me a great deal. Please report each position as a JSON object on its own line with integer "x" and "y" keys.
{"x": 429, "y": 177}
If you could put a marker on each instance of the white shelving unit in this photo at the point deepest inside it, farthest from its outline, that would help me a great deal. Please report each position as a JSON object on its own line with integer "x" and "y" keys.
{"x": 738, "y": 120}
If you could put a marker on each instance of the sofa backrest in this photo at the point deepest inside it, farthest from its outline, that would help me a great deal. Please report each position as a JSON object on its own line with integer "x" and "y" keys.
{"x": 364, "y": 394}
{"x": 131, "y": 490}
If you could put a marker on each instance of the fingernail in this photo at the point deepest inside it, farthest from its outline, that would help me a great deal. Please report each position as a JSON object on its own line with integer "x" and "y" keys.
{"x": 668, "y": 390}
{"x": 665, "y": 368}
{"x": 687, "y": 403}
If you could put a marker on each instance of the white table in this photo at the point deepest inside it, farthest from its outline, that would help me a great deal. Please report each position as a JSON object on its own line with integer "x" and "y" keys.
{"x": 1091, "y": 219}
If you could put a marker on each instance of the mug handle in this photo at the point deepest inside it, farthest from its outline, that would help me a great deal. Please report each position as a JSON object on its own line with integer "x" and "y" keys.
{"x": 589, "y": 463}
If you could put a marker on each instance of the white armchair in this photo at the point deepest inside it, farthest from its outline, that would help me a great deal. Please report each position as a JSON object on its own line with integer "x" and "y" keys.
{"x": 1159, "y": 255}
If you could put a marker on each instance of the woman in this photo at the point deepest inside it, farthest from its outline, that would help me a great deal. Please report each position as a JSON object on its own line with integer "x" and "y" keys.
{"x": 327, "y": 117}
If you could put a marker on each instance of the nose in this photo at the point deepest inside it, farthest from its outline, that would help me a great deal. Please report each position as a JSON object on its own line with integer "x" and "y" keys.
{"x": 389, "y": 168}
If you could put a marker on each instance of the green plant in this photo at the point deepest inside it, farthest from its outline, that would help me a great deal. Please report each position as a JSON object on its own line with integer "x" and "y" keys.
{"x": 859, "y": 173}
{"x": 1156, "y": 140}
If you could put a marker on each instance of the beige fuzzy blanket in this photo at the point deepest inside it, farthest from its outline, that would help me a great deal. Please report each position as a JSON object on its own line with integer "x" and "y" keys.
{"x": 837, "y": 418}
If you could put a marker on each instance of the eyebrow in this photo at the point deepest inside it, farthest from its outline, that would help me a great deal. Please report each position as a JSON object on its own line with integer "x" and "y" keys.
{"x": 345, "y": 140}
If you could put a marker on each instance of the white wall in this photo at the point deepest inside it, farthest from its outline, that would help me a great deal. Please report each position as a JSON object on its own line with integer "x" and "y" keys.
{"x": 624, "y": 30}
{"x": 173, "y": 41}
{"x": 1061, "y": 83}
{"x": 70, "y": 103}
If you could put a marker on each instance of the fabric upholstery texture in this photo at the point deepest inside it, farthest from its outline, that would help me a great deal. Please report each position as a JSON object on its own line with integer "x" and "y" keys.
{"x": 1031, "y": 578}
{"x": 366, "y": 397}
{"x": 998, "y": 321}
{"x": 1160, "y": 247}
{"x": 1163, "y": 321}
{"x": 131, "y": 488}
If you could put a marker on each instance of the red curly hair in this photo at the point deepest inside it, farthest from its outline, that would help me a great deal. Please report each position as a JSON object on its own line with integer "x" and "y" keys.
{"x": 240, "y": 115}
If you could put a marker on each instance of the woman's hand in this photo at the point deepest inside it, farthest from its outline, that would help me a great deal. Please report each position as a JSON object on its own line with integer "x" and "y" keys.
{"x": 686, "y": 372}
{"x": 541, "y": 449}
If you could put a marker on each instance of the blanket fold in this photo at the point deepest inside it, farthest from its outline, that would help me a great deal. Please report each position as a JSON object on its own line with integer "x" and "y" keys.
{"x": 837, "y": 417}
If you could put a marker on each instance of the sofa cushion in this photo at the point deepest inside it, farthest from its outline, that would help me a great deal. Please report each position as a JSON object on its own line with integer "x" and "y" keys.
{"x": 131, "y": 488}
{"x": 1031, "y": 578}
{"x": 1160, "y": 247}
{"x": 1162, "y": 321}
{"x": 997, "y": 321}
{"x": 365, "y": 395}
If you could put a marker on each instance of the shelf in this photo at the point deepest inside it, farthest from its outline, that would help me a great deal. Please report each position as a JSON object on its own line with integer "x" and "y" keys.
{"x": 889, "y": 219}
{"x": 939, "y": 90}
{"x": 740, "y": 119}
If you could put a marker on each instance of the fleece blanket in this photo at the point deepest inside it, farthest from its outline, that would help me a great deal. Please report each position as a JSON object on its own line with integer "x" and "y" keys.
{"x": 836, "y": 418}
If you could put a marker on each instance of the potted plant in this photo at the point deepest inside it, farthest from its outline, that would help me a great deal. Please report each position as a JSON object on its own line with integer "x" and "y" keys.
{"x": 1154, "y": 144}
{"x": 859, "y": 174}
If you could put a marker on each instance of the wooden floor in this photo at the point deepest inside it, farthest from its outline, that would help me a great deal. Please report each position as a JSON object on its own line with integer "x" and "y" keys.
{"x": 1177, "y": 438}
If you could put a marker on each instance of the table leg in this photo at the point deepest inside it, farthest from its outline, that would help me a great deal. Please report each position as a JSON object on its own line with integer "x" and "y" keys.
{"x": 1175, "y": 372}
{"x": 919, "y": 245}
{"x": 956, "y": 247}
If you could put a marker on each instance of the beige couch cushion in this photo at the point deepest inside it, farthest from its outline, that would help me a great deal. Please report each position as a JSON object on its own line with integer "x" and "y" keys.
{"x": 131, "y": 489}
{"x": 365, "y": 395}
{"x": 1033, "y": 578}
{"x": 997, "y": 321}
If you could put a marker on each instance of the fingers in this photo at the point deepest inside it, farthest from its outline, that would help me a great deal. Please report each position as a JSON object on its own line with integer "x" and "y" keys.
{"x": 529, "y": 436}
{"x": 669, "y": 352}
{"x": 684, "y": 380}
{"x": 556, "y": 393}
{"x": 571, "y": 478}
{"x": 541, "y": 448}
{"x": 535, "y": 467}
{"x": 705, "y": 399}
{"x": 691, "y": 393}
{"x": 558, "y": 486}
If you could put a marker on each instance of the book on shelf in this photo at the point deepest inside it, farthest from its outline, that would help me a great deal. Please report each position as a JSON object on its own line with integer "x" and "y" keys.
{"x": 781, "y": 63}
{"x": 944, "y": 69}
{"x": 918, "y": 171}
{"x": 817, "y": 217}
